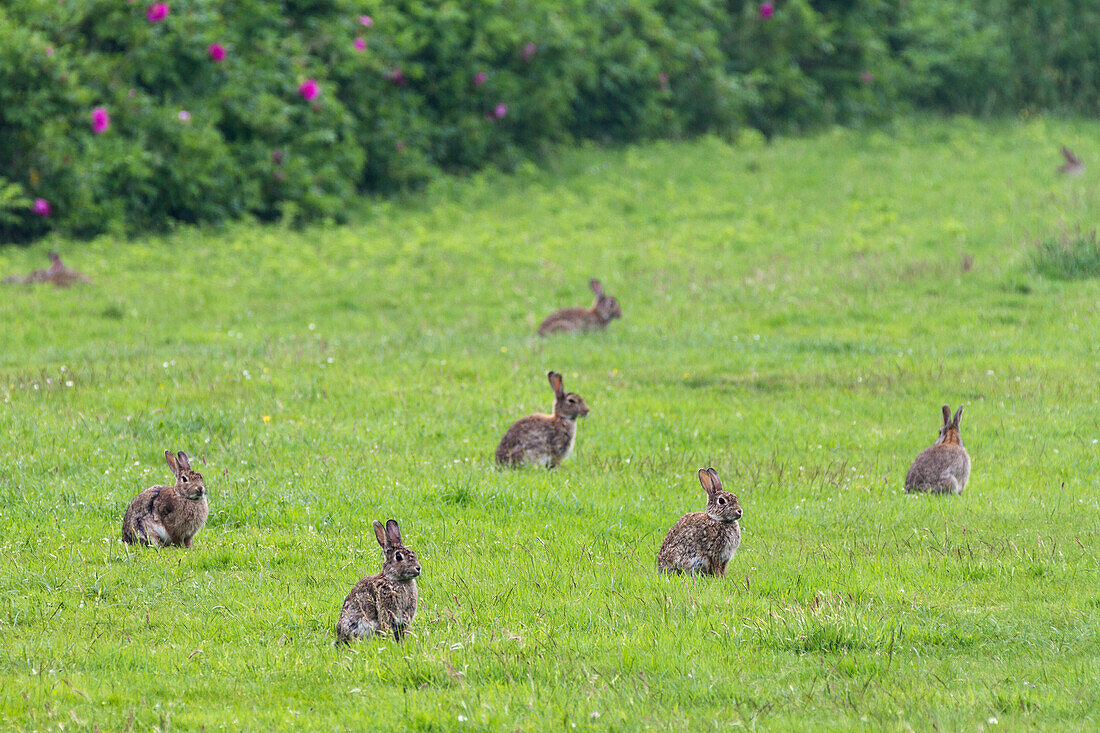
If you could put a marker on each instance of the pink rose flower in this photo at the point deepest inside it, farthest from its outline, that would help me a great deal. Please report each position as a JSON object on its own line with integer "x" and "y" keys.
{"x": 41, "y": 207}
{"x": 529, "y": 51}
{"x": 500, "y": 110}
{"x": 480, "y": 78}
{"x": 397, "y": 77}
{"x": 767, "y": 10}
{"x": 100, "y": 120}
{"x": 309, "y": 90}
{"x": 360, "y": 44}
{"x": 217, "y": 51}
{"x": 184, "y": 116}
{"x": 366, "y": 20}
{"x": 157, "y": 12}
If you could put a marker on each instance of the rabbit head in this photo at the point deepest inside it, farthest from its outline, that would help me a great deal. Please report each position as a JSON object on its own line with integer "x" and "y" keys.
{"x": 607, "y": 308}
{"x": 722, "y": 506}
{"x": 566, "y": 404}
{"x": 398, "y": 561}
{"x": 189, "y": 483}
{"x": 949, "y": 431}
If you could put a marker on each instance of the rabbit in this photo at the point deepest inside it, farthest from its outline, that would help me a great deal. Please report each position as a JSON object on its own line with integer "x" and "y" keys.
{"x": 386, "y": 600}
{"x": 61, "y": 275}
{"x": 165, "y": 516}
{"x": 58, "y": 274}
{"x": 36, "y": 276}
{"x": 703, "y": 542}
{"x": 944, "y": 467}
{"x": 544, "y": 440}
{"x": 1073, "y": 165}
{"x": 605, "y": 310}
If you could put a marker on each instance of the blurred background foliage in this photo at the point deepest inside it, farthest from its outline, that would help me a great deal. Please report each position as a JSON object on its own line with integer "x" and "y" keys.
{"x": 208, "y": 119}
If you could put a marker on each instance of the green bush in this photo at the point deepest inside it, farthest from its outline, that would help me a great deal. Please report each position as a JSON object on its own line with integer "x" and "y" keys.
{"x": 430, "y": 87}
{"x": 455, "y": 85}
{"x": 13, "y": 205}
{"x": 1054, "y": 51}
{"x": 955, "y": 56}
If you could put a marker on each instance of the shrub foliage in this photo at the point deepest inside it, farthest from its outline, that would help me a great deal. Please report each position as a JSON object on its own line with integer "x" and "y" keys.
{"x": 288, "y": 109}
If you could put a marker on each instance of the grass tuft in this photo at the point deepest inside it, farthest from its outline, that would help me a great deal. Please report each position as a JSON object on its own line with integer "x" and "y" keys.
{"x": 1068, "y": 255}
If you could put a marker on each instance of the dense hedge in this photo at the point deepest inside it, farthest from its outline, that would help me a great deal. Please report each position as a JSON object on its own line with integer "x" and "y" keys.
{"x": 119, "y": 114}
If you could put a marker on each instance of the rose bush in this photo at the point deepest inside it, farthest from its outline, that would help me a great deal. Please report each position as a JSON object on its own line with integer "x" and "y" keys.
{"x": 129, "y": 115}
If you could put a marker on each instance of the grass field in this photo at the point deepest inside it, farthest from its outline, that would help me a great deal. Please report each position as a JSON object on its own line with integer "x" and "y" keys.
{"x": 794, "y": 315}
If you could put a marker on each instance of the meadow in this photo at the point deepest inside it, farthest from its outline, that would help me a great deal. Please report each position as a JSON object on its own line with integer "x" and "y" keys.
{"x": 795, "y": 315}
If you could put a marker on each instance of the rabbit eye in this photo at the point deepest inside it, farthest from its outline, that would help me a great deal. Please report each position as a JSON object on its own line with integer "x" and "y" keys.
{"x": 721, "y": 500}
{"x": 399, "y": 557}
{"x": 183, "y": 479}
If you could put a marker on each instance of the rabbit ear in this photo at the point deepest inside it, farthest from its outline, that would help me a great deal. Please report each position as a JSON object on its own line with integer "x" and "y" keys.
{"x": 946, "y": 415}
{"x": 958, "y": 414}
{"x": 707, "y": 481}
{"x": 555, "y": 383}
{"x": 380, "y": 534}
{"x": 172, "y": 462}
{"x": 597, "y": 288}
{"x": 393, "y": 531}
{"x": 717, "y": 481}
{"x": 185, "y": 462}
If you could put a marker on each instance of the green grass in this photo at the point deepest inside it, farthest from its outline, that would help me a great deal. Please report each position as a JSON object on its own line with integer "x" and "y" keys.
{"x": 795, "y": 315}
{"x": 1068, "y": 255}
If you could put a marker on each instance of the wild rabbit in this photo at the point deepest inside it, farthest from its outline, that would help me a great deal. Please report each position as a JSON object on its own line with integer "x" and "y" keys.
{"x": 703, "y": 542}
{"x": 944, "y": 467}
{"x": 168, "y": 515}
{"x": 602, "y": 312}
{"x": 1073, "y": 165}
{"x": 544, "y": 440}
{"x": 386, "y": 600}
{"x": 57, "y": 273}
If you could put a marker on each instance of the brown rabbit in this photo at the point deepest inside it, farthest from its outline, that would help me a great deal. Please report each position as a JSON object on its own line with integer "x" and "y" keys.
{"x": 703, "y": 542}
{"x": 386, "y": 600}
{"x": 944, "y": 467}
{"x": 602, "y": 312}
{"x": 1073, "y": 165}
{"x": 168, "y": 515}
{"x": 58, "y": 274}
{"x": 544, "y": 440}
